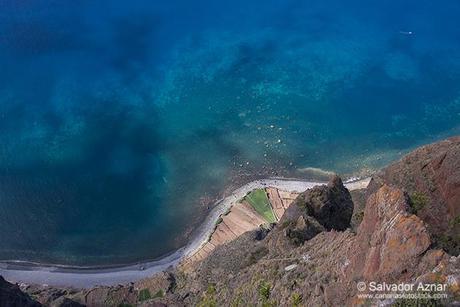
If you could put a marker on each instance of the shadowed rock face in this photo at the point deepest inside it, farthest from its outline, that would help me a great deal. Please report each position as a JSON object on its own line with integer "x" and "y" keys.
{"x": 330, "y": 205}
{"x": 305, "y": 228}
{"x": 12, "y": 296}
{"x": 314, "y": 211}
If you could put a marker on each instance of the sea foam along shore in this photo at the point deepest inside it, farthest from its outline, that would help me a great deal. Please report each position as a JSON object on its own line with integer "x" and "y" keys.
{"x": 85, "y": 277}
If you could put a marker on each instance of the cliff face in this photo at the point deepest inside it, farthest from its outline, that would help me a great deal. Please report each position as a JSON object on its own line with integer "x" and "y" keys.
{"x": 319, "y": 209}
{"x": 430, "y": 176}
{"x": 406, "y": 230}
{"x": 391, "y": 245}
{"x": 12, "y": 296}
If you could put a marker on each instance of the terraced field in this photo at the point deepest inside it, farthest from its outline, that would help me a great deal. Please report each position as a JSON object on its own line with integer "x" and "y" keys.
{"x": 259, "y": 201}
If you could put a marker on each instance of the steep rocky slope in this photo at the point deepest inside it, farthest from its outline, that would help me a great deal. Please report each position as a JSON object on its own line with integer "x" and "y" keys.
{"x": 431, "y": 177}
{"x": 12, "y": 296}
{"x": 403, "y": 228}
{"x": 391, "y": 245}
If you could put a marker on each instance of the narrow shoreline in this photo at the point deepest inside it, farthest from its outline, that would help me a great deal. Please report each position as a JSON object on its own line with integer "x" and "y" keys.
{"x": 85, "y": 277}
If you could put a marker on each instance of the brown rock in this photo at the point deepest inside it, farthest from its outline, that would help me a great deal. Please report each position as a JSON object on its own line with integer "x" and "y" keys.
{"x": 431, "y": 177}
{"x": 389, "y": 240}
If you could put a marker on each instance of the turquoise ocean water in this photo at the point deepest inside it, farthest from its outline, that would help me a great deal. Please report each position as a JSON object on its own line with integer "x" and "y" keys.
{"x": 121, "y": 121}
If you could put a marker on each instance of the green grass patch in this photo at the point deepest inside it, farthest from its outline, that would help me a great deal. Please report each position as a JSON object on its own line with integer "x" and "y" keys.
{"x": 259, "y": 201}
{"x": 144, "y": 295}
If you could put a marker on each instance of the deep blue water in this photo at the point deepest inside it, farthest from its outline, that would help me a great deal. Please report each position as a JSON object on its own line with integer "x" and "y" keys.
{"x": 122, "y": 120}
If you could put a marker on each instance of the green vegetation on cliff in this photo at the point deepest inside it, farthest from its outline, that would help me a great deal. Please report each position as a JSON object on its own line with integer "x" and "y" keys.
{"x": 418, "y": 201}
{"x": 259, "y": 201}
{"x": 144, "y": 295}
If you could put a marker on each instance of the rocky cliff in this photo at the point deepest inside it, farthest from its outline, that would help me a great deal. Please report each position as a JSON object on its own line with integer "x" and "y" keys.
{"x": 430, "y": 176}
{"x": 404, "y": 228}
{"x": 12, "y": 296}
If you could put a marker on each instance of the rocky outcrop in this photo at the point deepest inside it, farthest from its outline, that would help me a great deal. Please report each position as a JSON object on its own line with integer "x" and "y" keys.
{"x": 430, "y": 176}
{"x": 391, "y": 245}
{"x": 330, "y": 205}
{"x": 50, "y": 296}
{"x": 305, "y": 228}
{"x": 390, "y": 240}
{"x": 312, "y": 212}
{"x": 12, "y": 296}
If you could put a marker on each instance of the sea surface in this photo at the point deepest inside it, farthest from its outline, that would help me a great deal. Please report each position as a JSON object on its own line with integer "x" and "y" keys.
{"x": 122, "y": 121}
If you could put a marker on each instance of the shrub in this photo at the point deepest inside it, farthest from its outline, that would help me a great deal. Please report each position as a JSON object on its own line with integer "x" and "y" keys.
{"x": 209, "y": 299}
{"x": 269, "y": 304}
{"x": 264, "y": 290}
{"x": 296, "y": 299}
{"x": 418, "y": 201}
{"x": 359, "y": 217}
{"x": 449, "y": 243}
{"x": 144, "y": 295}
{"x": 238, "y": 301}
{"x": 420, "y": 302}
{"x": 455, "y": 221}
